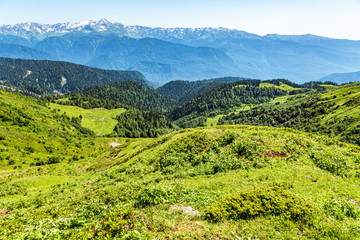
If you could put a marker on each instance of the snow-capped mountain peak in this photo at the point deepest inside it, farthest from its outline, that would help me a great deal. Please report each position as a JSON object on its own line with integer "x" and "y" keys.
{"x": 31, "y": 29}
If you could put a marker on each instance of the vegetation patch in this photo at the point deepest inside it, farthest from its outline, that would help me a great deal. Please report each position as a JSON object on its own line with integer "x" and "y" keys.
{"x": 258, "y": 202}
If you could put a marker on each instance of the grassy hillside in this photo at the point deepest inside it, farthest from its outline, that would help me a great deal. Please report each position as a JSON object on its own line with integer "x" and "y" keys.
{"x": 32, "y": 133}
{"x": 221, "y": 100}
{"x": 192, "y": 184}
{"x": 335, "y": 112}
{"x": 99, "y": 120}
{"x": 106, "y": 111}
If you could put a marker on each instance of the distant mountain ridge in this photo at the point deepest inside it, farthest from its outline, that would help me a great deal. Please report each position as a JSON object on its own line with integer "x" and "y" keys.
{"x": 166, "y": 54}
{"x": 30, "y": 30}
{"x": 341, "y": 78}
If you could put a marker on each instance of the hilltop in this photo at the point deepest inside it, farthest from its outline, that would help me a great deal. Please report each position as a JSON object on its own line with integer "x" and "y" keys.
{"x": 180, "y": 186}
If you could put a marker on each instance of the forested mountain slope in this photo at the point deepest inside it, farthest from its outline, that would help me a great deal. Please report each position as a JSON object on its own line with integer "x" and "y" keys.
{"x": 59, "y": 76}
{"x": 335, "y": 113}
{"x": 183, "y": 90}
{"x": 130, "y": 93}
{"x": 221, "y": 99}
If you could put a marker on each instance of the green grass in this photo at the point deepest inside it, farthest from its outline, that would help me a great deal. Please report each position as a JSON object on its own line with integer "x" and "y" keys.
{"x": 283, "y": 86}
{"x": 113, "y": 195}
{"x": 213, "y": 121}
{"x": 143, "y": 188}
{"x": 101, "y": 121}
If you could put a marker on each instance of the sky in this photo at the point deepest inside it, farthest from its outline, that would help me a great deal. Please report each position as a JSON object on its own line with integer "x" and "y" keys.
{"x": 331, "y": 18}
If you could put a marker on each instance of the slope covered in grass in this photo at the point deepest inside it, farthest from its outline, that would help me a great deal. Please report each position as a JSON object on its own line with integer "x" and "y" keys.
{"x": 33, "y": 133}
{"x": 220, "y": 100}
{"x": 171, "y": 187}
{"x": 335, "y": 112}
{"x": 99, "y": 120}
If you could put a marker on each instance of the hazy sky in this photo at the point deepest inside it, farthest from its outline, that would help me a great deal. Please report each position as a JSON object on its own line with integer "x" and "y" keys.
{"x": 333, "y": 18}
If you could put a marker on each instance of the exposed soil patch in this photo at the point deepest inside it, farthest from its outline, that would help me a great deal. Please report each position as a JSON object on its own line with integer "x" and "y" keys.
{"x": 258, "y": 140}
{"x": 4, "y": 212}
{"x": 87, "y": 184}
{"x": 311, "y": 178}
{"x": 186, "y": 209}
{"x": 274, "y": 154}
{"x": 354, "y": 202}
{"x": 115, "y": 144}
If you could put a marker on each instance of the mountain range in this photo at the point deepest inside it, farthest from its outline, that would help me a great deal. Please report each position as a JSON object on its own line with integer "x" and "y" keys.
{"x": 342, "y": 78}
{"x": 165, "y": 54}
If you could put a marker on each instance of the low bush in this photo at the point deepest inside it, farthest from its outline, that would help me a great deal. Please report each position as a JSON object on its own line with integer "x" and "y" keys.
{"x": 332, "y": 163}
{"x": 120, "y": 224}
{"x": 260, "y": 201}
{"x": 153, "y": 196}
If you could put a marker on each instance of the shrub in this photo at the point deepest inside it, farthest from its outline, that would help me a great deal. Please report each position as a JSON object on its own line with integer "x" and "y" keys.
{"x": 29, "y": 149}
{"x": 52, "y": 160}
{"x": 332, "y": 163}
{"x": 227, "y": 139}
{"x": 11, "y": 162}
{"x": 153, "y": 196}
{"x": 194, "y": 142}
{"x": 120, "y": 224}
{"x": 260, "y": 201}
{"x": 247, "y": 148}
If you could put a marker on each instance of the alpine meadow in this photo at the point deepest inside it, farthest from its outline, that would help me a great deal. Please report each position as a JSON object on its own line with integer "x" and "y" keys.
{"x": 114, "y": 131}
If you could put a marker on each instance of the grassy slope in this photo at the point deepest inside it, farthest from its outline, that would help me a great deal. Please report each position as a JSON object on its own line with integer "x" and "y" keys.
{"x": 101, "y": 121}
{"x": 99, "y": 201}
{"x": 214, "y": 120}
{"x": 45, "y": 135}
{"x": 282, "y": 86}
{"x": 346, "y": 100}
{"x": 340, "y": 97}
{"x": 342, "y": 110}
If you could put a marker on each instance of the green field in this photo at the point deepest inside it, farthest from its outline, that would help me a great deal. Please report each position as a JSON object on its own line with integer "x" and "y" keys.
{"x": 168, "y": 187}
{"x": 282, "y": 86}
{"x": 101, "y": 121}
{"x": 212, "y": 121}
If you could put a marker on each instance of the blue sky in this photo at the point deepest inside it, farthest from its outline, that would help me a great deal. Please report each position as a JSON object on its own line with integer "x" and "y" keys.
{"x": 333, "y": 18}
